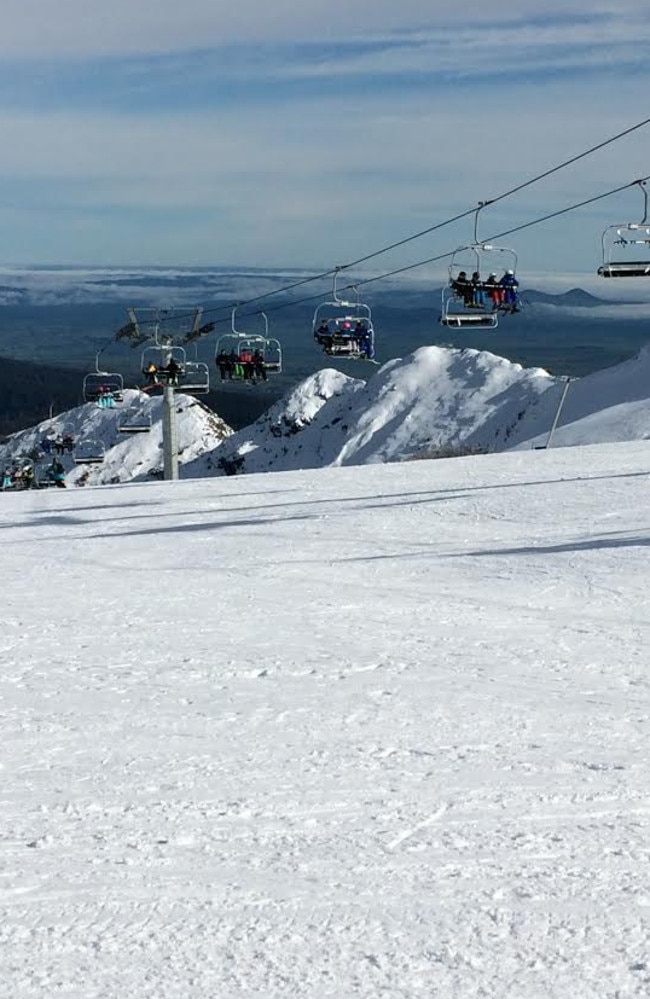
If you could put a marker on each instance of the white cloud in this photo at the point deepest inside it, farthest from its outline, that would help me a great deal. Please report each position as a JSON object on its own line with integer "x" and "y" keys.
{"x": 326, "y": 182}
{"x": 490, "y": 50}
{"x": 324, "y": 179}
{"x": 80, "y": 28}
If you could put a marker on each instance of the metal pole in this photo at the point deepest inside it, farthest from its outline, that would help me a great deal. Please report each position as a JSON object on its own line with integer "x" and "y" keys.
{"x": 559, "y": 410}
{"x": 165, "y": 344}
{"x": 170, "y": 439}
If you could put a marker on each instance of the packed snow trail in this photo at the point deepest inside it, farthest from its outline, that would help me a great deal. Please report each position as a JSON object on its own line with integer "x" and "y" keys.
{"x": 376, "y": 731}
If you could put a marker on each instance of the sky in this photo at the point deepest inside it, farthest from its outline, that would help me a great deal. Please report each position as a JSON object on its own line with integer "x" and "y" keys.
{"x": 347, "y": 732}
{"x": 309, "y": 134}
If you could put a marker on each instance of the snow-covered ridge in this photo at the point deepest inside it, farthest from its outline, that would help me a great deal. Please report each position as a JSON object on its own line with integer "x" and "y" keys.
{"x": 437, "y": 397}
{"x": 436, "y": 401}
{"x": 128, "y": 457}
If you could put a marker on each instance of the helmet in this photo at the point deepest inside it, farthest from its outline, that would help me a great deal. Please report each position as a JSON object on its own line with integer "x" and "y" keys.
{"x": 510, "y": 272}
{"x": 493, "y": 274}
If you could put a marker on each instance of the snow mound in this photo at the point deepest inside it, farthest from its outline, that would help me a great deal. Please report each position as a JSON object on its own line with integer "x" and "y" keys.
{"x": 128, "y": 457}
{"x": 434, "y": 398}
{"x": 607, "y": 406}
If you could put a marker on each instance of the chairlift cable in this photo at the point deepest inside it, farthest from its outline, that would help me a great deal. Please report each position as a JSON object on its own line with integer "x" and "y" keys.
{"x": 450, "y": 253}
{"x": 441, "y": 256}
{"x": 500, "y": 197}
{"x": 434, "y": 228}
{"x": 507, "y": 232}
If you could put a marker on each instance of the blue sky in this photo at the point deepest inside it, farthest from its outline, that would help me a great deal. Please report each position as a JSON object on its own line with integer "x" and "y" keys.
{"x": 287, "y": 134}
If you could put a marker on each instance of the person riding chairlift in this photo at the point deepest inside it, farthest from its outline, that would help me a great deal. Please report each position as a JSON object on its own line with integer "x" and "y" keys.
{"x": 56, "y": 472}
{"x": 172, "y": 371}
{"x": 462, "y": 287}
{"x": 323, "y": 335}
{"x": 509, "y": 284}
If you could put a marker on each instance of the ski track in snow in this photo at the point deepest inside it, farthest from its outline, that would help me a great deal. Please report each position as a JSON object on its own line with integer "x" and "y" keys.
{"x": 356, "y": 732}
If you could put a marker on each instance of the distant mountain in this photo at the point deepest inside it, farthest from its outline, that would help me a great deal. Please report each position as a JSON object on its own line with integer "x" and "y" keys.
{"x": 575, "y": 297}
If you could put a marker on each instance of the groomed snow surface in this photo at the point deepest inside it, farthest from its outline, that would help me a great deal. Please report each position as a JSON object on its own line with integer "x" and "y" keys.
{"x": 376, "y": 731}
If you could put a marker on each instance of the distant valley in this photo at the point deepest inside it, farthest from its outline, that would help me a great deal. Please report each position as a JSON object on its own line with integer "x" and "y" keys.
{"x": 58, "y": 319}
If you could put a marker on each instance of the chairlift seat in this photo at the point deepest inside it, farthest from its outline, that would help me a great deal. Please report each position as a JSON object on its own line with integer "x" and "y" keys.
{"x": 134, "y": 423}
{"x": 487, "y": 320}
{"x": 625, "y": 268}
{"x": 347, "y": 347}
{"x": 89, "y": 452}
{"x": 195, "y": 379}
{"x": 101, "y": 383}
{"x": 134, "y": 427}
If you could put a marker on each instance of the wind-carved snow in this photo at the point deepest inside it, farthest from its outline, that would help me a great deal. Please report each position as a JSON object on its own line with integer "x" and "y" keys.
{"x": 269, "y": 437}
{"x": 372, "y": 731}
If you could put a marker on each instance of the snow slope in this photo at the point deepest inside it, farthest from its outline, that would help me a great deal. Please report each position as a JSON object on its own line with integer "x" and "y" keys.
{"x": 606, "y": 406}
{"x": 372, "y": 731}
{"x": 129, "y": 457}
{"x": 437, "y": 399}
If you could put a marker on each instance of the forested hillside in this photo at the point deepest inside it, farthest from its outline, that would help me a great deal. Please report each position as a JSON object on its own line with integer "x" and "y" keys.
{"x": 29, "y": 391}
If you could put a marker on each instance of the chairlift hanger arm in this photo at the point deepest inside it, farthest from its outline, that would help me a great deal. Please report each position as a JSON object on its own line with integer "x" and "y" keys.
{"x": 479, "y": 209}
{"x": 644, "y": 190}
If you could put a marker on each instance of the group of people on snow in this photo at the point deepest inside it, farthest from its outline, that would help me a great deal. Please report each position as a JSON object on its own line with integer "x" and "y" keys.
{"x": 18, "y": 476}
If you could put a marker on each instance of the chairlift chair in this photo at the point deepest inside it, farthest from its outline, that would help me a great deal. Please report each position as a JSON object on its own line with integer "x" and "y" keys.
{"x": 482, "y": 306}
{"x": 632, "y": 235}
{"x": 620, "y": 243}
{"x": 194, "y": 378}
{"x": 160, "y": 356}
{"x": 343, "y": 328}
{"x": 468, "y": 303}
{"x": 18, "y": 474}
{"x": 136, "y": 419}
{"x": 89, "y": 451}
{"x": 42, "y": 479}
{"x": 103, "y": 384}
{"x": 235, "y": 353}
